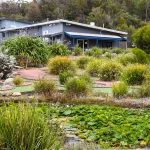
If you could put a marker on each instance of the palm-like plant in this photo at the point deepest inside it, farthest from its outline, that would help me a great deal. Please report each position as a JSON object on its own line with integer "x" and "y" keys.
{"x": 31, "y": 49}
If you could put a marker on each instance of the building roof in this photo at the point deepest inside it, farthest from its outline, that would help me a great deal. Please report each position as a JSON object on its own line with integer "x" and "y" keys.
{"x": 94, "y": 27}
{"x": 93, "y": 36}
{"x": 3, "y": 18}
{"x": 67, "y": 22}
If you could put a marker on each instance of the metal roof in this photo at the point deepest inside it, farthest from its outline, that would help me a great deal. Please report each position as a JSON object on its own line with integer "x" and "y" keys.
{"x": 67, "y": 22}
{"x": 95, "y": 27}
{"x": 92, "y": 35}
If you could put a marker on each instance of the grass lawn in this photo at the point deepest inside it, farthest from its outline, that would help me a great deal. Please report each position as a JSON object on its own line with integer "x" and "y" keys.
{"x": 23, "y": 89}
{"x": 62, "y": 88}
{"x": 30, "y": 88}
{"x": 103, "y": 90}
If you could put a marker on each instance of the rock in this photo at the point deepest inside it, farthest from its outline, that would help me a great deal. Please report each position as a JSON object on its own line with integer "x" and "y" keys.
{"x": 7, "y": 94}
{"x": 71, "y": 136}
{"x": 114, "y": 55}
{"x": 1, "y": 83}
{"x": 31, "y": 97}
{"x": 8, "y": 81}
{"x": 18, "y": 67}
{"x": 15, "y": 73}
{"x": 16, "y": 94}
{"x": 6, "y": 87}
{"x": 1, "y": 94}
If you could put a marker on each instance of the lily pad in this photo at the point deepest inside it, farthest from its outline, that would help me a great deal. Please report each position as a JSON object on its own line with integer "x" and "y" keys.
{"x": 67, "y": 112}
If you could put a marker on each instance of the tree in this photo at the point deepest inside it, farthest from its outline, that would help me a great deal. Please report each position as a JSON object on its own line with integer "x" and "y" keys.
{"x": 99, "y": 16}
{"x": 142, "y": 38}
{"x": 81, "y": 6}
{"x": 130, "y": 29}
{"x": 33, "y": 12}
{"x": 146, "y": 9}
{"x": 47, "y": 8}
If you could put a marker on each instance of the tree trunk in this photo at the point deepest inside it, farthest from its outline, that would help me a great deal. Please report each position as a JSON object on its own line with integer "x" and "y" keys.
{"x": 26, "y": 64}
{"x": 146, "y": 13}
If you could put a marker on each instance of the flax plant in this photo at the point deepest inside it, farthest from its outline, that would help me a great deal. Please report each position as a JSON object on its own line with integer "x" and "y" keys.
{"x": 24, "y": 127}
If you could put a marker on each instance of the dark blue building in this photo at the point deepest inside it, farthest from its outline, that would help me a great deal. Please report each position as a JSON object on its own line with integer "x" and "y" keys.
{"x": 64, "y": 31}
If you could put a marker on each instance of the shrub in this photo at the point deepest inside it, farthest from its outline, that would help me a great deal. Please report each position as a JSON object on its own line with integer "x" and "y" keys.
{"x": 147, "y": 77}
{"x": 20, "y": 61}
{"x": 45, "y": 87}
{"x": 18, "y": 81}
{"x": 110, "y": 71}
{"x": 7, "y": 64}
{"x": 129, "y": 50}
{"x": 126, "y": 59}
{"x": 23, "y": 127}
{"x": 60, "y": 64}
{"x": 134, "y": 74}
{"x": 93, "y": 68}
{"x": 119, "y": 89}
{"x": 83, "y": 61}
{"x": 78, "y": 50}
{"x": 31, "y": 49}
{"x": 78, "y": 86}
{"x": 58, "y": 49}
{"x": 95, "y": 52}
{"x": 108, "y": 55}
{"x": 64, "y": 76}
{"x": 144, "y": 90}
{"x": 118, "y": 51}
{"x": 141, "y": 56}
{"x": 105, "y": 50}
{"x": 87, "y": 78}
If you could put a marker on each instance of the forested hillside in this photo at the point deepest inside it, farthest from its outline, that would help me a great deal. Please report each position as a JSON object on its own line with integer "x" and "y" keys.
{"x": 126, "y": 15}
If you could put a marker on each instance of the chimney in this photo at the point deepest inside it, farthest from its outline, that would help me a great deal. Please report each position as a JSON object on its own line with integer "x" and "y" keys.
{"x": 92, "y": 24}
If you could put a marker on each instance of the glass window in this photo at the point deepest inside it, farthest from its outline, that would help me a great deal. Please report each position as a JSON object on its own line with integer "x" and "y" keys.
{"x": 106, "y": 44}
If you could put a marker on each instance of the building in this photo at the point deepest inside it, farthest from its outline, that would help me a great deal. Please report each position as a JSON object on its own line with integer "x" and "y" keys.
{"x": 15, "y": 1}
{"x": 67, "y": 32}
{"x": 12, "y": 23}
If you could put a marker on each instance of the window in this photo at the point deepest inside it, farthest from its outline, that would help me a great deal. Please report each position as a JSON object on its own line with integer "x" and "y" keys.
{"x": 3, "y": 35}
{"x": 106, "y": 44}
{"x": 45, "y": 32}
{"x": 83, "y": 43}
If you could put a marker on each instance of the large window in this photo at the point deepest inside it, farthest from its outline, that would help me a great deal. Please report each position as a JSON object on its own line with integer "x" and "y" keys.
{"x": 106, "y": 44}
{"x": 83, "y": 43}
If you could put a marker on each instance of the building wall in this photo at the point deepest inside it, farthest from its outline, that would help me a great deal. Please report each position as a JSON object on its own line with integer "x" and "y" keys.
{"x": 57, "y": 28}
{"x": 35, "y": 31}
{"x": 79, "y": 29}
{"x": 45, "y": 30}
{"x": 115, "y": 44}
{"x": 92, "y": 43}
{"x": 6, "y": 24}
{"x": 123, "y": 44}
